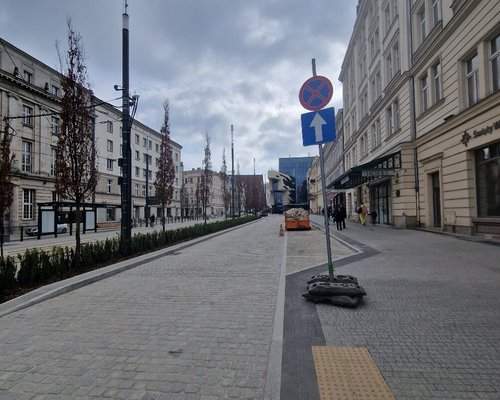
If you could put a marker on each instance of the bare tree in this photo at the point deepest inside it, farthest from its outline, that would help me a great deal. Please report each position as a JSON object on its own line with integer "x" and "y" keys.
{"x": 76, "y": 170}
{"x": 6, "y": 190}
{"x": 197, "y": 199}
{"x": 240, "y": 193}
{"x": 184, "y": 200}
{"x": 206, "y": 179}
{"x": 165, "y": 177}
{"x": 226, "y": 195}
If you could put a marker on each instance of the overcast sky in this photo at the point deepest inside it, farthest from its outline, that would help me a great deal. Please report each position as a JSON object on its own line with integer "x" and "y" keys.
{"x": 219, "y": 62}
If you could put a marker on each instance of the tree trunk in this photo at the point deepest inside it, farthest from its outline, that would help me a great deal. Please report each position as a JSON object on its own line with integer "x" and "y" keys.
{"x": 1, "y": 238}
{"x": 163, "y": 216}
{"x": 77, "y": 237}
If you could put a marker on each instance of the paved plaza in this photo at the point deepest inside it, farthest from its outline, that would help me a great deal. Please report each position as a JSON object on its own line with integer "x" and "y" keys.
{"x": 223, "y": 317}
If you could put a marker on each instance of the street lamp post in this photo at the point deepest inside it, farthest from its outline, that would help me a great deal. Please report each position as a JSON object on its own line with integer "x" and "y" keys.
{"x": 126, "y": 192}
{"x": 232, "y": 173}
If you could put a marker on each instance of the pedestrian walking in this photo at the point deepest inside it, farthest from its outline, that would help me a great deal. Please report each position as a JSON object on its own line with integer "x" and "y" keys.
{"x": 374, "y": 214}
{"x": 337, "y": 217}
{"x": 152, "y": 220}
{"x": 343, "y": 215}
{"x": 362, "y": 213}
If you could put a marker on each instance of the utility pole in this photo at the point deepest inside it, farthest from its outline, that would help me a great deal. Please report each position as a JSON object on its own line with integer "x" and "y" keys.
{"x": 146, "y": 208}
{"x": 232, "y": 173}
{"x": 126, "y": 182}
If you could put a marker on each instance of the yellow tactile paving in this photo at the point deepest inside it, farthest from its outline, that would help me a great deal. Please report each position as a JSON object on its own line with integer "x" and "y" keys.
{"x": 348, "y": 373}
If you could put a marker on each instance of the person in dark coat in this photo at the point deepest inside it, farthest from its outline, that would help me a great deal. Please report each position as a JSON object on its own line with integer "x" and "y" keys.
{"x": 343, "y": 215}
{"x": 374, "y": 214}
{"x": 337, "y": 217}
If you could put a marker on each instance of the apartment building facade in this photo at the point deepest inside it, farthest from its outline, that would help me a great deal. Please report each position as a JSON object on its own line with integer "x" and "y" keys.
{"x": 215, "y": 206}
{"x": 30, "y": 95}
{"x": 421, "y": 105}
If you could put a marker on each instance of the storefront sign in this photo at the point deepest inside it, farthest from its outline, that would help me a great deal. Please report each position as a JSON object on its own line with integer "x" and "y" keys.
{"x": 377, "y": 172}
{"x": 466, "y": 137}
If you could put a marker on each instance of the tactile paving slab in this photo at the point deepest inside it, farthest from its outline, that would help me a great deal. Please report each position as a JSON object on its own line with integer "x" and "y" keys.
{"x": 346, "y": 373}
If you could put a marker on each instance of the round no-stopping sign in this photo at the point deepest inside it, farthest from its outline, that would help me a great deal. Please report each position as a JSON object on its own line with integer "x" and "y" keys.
{"x": 315, "y": 93}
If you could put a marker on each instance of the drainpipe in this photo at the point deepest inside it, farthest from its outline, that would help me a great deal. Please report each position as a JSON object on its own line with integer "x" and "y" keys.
{"x": 413, "y": 121}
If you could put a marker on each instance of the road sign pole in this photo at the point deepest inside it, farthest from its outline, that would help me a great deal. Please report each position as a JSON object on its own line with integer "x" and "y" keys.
{"x": 325, "y": 213}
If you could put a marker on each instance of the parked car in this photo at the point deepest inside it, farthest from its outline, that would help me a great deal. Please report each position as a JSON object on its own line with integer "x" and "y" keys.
{"x": 61, "y": 228}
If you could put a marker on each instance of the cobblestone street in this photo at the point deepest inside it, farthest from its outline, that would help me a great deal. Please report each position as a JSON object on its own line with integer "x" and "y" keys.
{"x": 211, "y": 319}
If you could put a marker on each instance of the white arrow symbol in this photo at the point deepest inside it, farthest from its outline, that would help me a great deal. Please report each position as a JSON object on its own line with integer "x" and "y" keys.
{"x": 317, "y": 123}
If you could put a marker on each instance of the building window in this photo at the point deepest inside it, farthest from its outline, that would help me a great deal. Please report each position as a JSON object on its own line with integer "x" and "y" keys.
{"x": 395, "y": 111}
{"x": 28, "y": 203}
{"x": 495, "y": 61}
{"x": 121, "y": 149}
{"x": 392, "y": 118}
{"x": 363, "y": 145}
{"x": 137, "y": 155}
{"x": 389, "y": 66}
{"x": 145, "y": 142}
{"x": 28, "y": 76}
{"x": 27, "y": 115}
{"x": 137, "y": 172}
{"x": 488, "y": 180}
{"x": 376, "y": 134}
{"x": 157, "y": 146}
{"x": 136, "y": 189}
{"x": 27, "y": 155}
{"x": 110, "y": 145}
{"x": 421, "y": 24}
{"x": 53, "y": 158}
{"x": 471, "y": 78}
{"x": 436, "y": 14}
{"x": 424, "y": 85}
{"x": 55, "y": 197}
{"x": 143, "y": 190}
{"x": 387, "y": 18}
{"x": 54, "y": 125}
{"x": 436, "y": 77}
{"x": 109, "y": 126}
{"x": 55, "y": 90}
{"x": 395, "y": 58}
{"x": 378, "y": 85}
{"x": 150, "y": 145}
{"x": 109, "y": 163}
{"x": 109, "y": 186}
{"x": 394, "y": 9}
{"x": 137, "y": 139}
{"x": 110, "y": 214}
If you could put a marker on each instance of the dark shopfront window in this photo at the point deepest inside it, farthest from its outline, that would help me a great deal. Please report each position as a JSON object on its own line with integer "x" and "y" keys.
{"x": 488, "y": 181}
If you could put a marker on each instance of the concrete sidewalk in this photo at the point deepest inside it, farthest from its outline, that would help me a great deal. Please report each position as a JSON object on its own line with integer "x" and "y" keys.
{"x": 429, "y": 320}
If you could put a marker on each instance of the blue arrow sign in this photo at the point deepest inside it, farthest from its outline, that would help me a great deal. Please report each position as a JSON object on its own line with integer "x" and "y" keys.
{"x": 318, "y": 127}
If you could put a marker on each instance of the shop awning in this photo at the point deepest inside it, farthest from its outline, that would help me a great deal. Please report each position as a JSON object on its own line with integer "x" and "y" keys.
{"x": 360, "y": 174}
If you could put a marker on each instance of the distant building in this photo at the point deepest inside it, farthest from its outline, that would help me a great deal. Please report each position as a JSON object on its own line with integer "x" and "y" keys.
{"x": 215, "y": 207}
{"x": 281, "y": 190}
{"x": 315, "y": 187}
{"x": 296, "y": 168}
